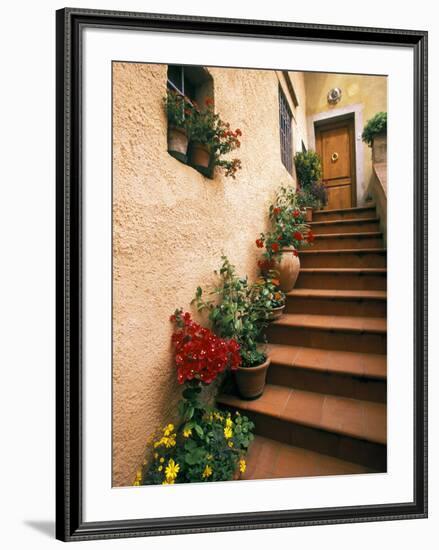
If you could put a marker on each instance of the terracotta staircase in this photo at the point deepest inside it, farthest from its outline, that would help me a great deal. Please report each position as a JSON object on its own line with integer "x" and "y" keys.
{"x": 323, "y": 411}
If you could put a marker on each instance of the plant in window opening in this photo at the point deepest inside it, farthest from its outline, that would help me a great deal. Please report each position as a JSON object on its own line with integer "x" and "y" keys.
{"x": 212, "y": 139}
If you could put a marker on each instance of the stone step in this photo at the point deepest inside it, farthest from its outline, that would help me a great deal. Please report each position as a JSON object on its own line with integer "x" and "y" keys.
{"x": 336, "y": 332}
{"x": 350, "y": 429}
{"x": 366, "y": 303}
{"x": 346, "y": 226}
{"x": 340, "y": 241}
{"x": 356, "y": 213}
{"x": 366, "y": 257}
{"x": 270, "y": 459}
{"x": 348, "y": 374}
{"x": 343, "y": 278}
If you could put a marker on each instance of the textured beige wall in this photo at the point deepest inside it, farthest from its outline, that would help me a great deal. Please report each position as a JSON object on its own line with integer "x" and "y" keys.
{"x": 171, "y": 226}
{"x": 368, "y": 91}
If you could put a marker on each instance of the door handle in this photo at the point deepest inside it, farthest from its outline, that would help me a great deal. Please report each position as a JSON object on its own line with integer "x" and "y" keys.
{"x": 334, "y": 157}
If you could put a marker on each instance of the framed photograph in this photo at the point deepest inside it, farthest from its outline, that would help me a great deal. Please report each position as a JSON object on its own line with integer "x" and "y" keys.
{"x": 241, "y": 274}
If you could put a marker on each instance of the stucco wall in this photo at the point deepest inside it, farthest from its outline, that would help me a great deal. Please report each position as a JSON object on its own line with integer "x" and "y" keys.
{"x": 367, "y": 92}
{"x": 171, "y": 226}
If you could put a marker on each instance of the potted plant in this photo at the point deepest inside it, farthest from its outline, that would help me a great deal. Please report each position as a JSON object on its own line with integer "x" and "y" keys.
{"x": 211, "y": 138}
{"x": 266, "y": 289}
{"x": 375, "y": 135}
{"x": 208, "y": 444}
{"x": 309, "y": 172}
{"x": 312, "y": 197}
{"x": 179, "y": 111}
{"x": 236, "y": 314}
{"x": 289, "y": 232}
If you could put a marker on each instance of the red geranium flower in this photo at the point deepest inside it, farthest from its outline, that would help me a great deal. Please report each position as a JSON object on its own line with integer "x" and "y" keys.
{"x": 275, "y": 247}
{"x": 199, "y": 353}
{"x": 296, "y": 213}
{"x": 295, "y": 252}
{"x": 238, "y": 132}
{"x": 276, "y": 211}
{"x": 310, "y": 237}
{"x": 259, "y": 243}
{"x": 297, "y": 235}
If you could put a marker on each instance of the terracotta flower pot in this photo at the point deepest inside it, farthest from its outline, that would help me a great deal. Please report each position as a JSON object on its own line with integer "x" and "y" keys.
{"x": 288, "y": 268}
{"x": 277, "y": 312}
{"x": 200, "y": 155}
{"x": 251, "y": 380}
{"x": 177, "y": 140}
{"x": 308, "y": 214}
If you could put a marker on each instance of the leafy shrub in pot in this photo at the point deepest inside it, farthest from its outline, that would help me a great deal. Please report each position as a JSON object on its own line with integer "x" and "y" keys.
{"x": 235, "y": 313}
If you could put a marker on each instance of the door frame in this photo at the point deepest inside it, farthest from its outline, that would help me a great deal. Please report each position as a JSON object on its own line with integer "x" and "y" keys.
{"x": 355, "y": 111}
{"x": 337, "y": 122}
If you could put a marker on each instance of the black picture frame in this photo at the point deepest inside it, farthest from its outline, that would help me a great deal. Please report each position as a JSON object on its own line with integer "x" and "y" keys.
{"x": 69, "y": 518}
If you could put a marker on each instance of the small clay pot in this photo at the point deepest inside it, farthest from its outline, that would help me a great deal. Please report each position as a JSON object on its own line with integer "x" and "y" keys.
{"x": 308, "y": 214}
{"x": 276, "y": 312}
{"x": 288, "y": 268}
{"x": 200, "y": 155}
{"x": 251, "y": 380}
{"x": 177, "y": 140}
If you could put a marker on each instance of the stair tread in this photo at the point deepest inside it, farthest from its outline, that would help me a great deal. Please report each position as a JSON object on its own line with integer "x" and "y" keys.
{"x": 357, "y": 235}
{"x": 365, "y": 365}
{"x": 346, "y": 251}
{"x": 353, "y": 209}
{"x": 354, "y": 418}
{"x": 346, "y": 323}
{"x": 347, "y": 222}
{"x": 338, "y": 294}
{"x": 269, "y": 459}
{"x": 358, "y": 270}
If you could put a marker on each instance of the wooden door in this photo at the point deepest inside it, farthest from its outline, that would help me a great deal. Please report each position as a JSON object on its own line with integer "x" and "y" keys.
{"x": 336, "y": 147}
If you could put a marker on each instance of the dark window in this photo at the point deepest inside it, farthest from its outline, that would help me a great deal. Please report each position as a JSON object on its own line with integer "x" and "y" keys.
{"x": 285, "y": 117}
{"x": 178, "y": 79}
{"x": 303, "y": 147}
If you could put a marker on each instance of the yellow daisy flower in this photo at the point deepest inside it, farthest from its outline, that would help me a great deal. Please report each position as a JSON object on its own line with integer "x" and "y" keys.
{"x": 187, "y": 432}
{"x": 242, "y": 465}
{"x": 228, "y": 433}
{"x": 230, "y": 444}
{"x": 172, "y": 470}
{"x": 207, "y": 471}
{"x": 168, "y": 430}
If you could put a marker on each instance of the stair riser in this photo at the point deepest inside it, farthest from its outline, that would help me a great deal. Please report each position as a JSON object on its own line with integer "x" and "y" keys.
{"x": 325, "y": 306}
{"x": 366, "y": 342}
{"x": 337, "y": 243}
{"x": 343, "y": 215}
{"x": 345, "y": 227}
{"x": 342, "y": 281}
{"x": 363, "y": 452}
{"x": 346, "y": 260}
{"x": 328, "y": 382}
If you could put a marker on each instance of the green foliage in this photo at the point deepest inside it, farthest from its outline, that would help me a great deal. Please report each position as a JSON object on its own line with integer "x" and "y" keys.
{"x": 314, "y": 196}
{"x": 288, "y": 228}
{"x": 266, "y": 290}
{"x": 236, "y": 313}
{"x": 308, "y": 168}
{"x": 178, "y": 109}
{"x": 209, "y": 445}
{"x": 374, "y": 126}
{"x": 207, "y": 127}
